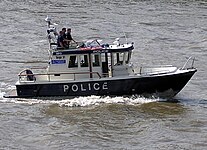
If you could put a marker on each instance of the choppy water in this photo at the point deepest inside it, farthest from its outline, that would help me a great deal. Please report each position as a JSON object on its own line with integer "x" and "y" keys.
{"x": 164, "y": 32}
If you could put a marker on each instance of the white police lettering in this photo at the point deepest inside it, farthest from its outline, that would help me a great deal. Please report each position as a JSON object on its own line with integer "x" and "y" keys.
{"x": 96, "y": 86}
{"x": 89, "y": 86}
{"x": 86, "y": 87}
{"x": 105, "y": 86}
{"x": 74, "y": 88}
{"x": 65, "y": 88}
{"x": 82, "y": 88}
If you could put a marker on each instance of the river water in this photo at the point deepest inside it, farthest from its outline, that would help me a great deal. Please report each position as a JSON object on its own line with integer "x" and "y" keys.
{"x": 164, "y": 32}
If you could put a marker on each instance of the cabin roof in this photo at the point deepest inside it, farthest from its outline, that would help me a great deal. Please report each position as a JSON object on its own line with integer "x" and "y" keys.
{"x": 93, "y": 50}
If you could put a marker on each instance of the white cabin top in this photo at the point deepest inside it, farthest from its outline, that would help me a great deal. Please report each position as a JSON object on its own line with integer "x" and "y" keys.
{"x": 100, "y": 60}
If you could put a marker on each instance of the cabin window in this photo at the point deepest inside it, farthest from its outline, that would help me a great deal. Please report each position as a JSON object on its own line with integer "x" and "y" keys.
{"x": 84, "y": 60}
{"x": 96, "y": 60}
{"x": 118, "y": 59}
{"x": 73, "y": 62}
{"x": 128, "y": 57}
{"x": 104, "y": 57}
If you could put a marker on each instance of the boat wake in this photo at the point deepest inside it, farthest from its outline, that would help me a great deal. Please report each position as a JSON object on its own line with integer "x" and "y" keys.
{"x": 77, "y": 101}
{"x": 84, "y": 101}
{"x": 4, "y": 87}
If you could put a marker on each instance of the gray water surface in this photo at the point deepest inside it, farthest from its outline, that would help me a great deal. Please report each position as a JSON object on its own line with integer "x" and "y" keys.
{"x": 164, "y": 32}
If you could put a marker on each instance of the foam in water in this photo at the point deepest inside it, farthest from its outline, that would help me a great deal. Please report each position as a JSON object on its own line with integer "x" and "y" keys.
{"x": 84, "y": 101}
{"x": 1, "y": 94}
{"x": 4, "y": 88}
{"x": 97, "y": 100}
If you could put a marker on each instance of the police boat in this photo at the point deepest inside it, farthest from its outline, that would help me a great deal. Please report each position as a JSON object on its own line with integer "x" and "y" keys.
{"x": 96, "y": 68}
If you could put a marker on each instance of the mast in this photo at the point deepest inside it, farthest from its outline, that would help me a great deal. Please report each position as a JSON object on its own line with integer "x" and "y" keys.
{"x": 51, "y": 29}
{"x": 48, "y": 20}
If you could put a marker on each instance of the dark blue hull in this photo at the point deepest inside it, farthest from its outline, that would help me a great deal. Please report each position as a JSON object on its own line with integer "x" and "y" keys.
{"x": 158, "y": 85}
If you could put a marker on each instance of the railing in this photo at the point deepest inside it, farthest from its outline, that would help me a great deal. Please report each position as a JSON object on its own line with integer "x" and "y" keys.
{"x": 151, "y": 70}
{"x": 157, "y": 70}
{"x": 29, "y": 76}
{"x": 190, "y": 58}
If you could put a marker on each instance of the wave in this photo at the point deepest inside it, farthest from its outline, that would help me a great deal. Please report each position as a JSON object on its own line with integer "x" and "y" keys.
{"x": 84, "y": 101}
{"x": 4, "y": 87}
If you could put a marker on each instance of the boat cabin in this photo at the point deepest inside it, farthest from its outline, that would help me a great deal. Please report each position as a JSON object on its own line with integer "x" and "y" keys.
{"x": 92, "y": 60}
{"x": 87, "y": 61}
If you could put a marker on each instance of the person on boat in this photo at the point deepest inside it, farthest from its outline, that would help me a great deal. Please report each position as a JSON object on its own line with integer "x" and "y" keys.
{"x": 64, "y": 32}
{"x": 60, "y": 40}
{"x": 69, "y": 37}
{"x": 65, "y": 40}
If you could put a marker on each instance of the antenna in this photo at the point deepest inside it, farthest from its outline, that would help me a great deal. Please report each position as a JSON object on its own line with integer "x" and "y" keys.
{"x": 125, "y": 36}
{"x": 51, "y": 31}
{"x": 48, "y": 20}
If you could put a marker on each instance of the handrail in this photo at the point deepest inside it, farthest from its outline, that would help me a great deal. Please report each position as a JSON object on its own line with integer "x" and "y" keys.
{"x": 38, "y": 68}
{"x": 156, "y": 70}
{"x": 32, "y": 69}
{"x": 61, "y": 73}
{"x": 193, "y": 60}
